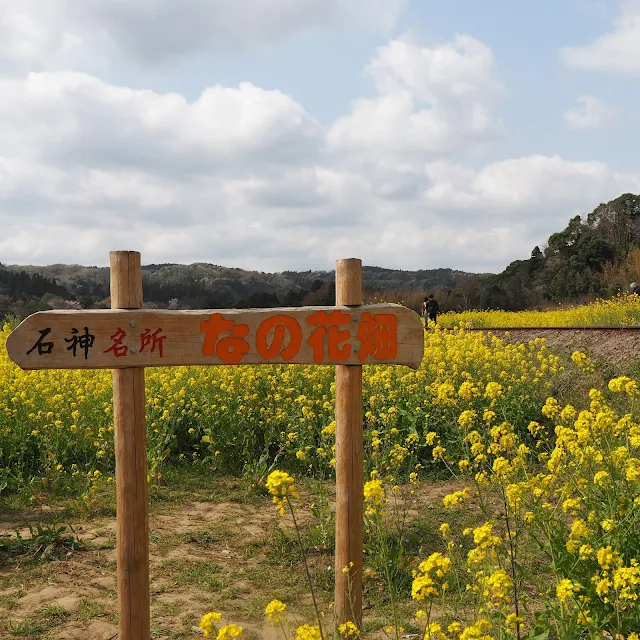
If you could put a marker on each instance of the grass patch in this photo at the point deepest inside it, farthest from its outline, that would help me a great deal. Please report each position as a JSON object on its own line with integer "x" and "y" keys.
{"x": 43, "y": 621}
{"x": 204, "y": 539}
{"x": 89, "y": 610}
{"x": 207, "y": 576}
{"x": 8, "y": 602}
{"x": 168, "y": 609}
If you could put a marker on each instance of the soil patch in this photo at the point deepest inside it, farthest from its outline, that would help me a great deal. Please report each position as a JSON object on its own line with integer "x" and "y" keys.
{"x": 232, "y": 556}
{"x": 618, "y": 349}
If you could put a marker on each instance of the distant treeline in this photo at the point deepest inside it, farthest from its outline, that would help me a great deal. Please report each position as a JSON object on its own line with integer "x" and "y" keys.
{"x": 595, "y": 255}
{"x": 199, "y": 286}
{"x": 22, "y": 293}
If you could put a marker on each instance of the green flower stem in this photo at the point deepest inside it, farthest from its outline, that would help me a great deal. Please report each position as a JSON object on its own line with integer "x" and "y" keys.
{"x": 306, "y": 568}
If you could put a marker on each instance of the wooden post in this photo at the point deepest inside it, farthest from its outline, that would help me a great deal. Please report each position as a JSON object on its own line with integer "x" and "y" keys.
{"x": 31, "y": 344}
{"x": 131, "y": 464}
{"x": 349, "y": 462}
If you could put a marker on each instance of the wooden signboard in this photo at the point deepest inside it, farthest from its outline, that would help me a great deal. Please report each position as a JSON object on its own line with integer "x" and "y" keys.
{"x": 128, "y": 338}
{"x": 114, "y": 339}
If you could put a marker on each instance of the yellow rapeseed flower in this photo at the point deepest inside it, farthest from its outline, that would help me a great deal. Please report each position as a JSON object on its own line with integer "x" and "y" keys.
{"x": 207, "y": 622}
{"x": 275, "y": 611}
{"x": 229, "y": 631}
{"x": 308, "y": 632}
{"x": 281, "y": 486}
{"x": 566, "y": 589}
{"x": 348, "y": 630}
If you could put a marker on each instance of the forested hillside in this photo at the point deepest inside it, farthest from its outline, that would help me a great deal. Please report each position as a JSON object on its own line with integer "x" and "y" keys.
{"x": 202, "y": 285}
{"x": 595, "y": 255}
{"x": 22, "y": 293}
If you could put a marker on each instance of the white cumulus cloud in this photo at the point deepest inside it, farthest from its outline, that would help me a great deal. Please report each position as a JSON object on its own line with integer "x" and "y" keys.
{"x": 89, "y": 33}
{"x": 618, "y": 50}
{"x": 590, "y": 113}
{"x": 432, "y": 100}
{"x": 73, "y": 119}
{"x": 246, "y": 177}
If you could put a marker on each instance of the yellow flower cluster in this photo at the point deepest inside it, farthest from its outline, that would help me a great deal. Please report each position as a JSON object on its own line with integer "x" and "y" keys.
{"x": 621, "y": 311}
{"x": 229, "y": 631}
{"x": 348, "y": 630}
{"x": 208, "y": 627}
{"x": 275, "y": 611}
{"x": 583, "y": 361}
{"x": 374, "y": 496}
{"x": 429, "y": 579}
{"x": 207, "y": 622}
{"x": 566, "y": 589}
{"x": 455, "y": 498}
{"x": 486, "y": 542}
{"x": 280, "y": 485}
{"x": 308, "y": 632}
{"x": 570, "y": 487}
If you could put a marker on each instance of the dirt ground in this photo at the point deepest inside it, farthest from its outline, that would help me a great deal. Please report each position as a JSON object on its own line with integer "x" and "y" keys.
{"x": 216, "y": 548}
{"x": 619, "y": 350}
{"x": 204, "y": 555}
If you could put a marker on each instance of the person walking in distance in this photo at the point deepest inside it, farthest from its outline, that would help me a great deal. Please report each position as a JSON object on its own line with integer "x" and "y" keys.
{"x": 424, "y": 313}
{"x": 431, "y": 309}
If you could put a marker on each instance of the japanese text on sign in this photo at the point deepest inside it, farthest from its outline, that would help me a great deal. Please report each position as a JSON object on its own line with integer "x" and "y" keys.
{"x": 368, "y": 334}
{"x": 84, "y": 342}
{"x": 376, "y": 333}
{"x": 279, "y": 335}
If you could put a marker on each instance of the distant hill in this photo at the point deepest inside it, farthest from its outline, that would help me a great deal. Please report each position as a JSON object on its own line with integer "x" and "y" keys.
{"x": 202, "y": 285}
{"x": 22, "y": 293}
{"x": 595, "y": 255}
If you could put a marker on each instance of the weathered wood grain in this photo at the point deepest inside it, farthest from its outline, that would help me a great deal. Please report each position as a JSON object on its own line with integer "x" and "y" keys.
{"x": 130, "y": 433}
{"x": 349, "y": 464}
{"x": 182, "y": 337}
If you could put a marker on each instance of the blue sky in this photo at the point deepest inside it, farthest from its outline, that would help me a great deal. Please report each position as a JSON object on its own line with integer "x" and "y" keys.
{"x": 324, "y": 70}
{"x": 285, "y": 135}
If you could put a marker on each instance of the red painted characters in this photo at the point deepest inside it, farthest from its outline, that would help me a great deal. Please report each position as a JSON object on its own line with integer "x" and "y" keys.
{"x": 280, "y": 337}
{"x": 148, "y": 339}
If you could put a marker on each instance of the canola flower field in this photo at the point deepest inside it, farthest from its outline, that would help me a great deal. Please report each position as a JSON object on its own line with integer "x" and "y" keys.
{"x": 622, "y": 311}
{"x": 540, "y": 539}
{"x": 56, "y": 426}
